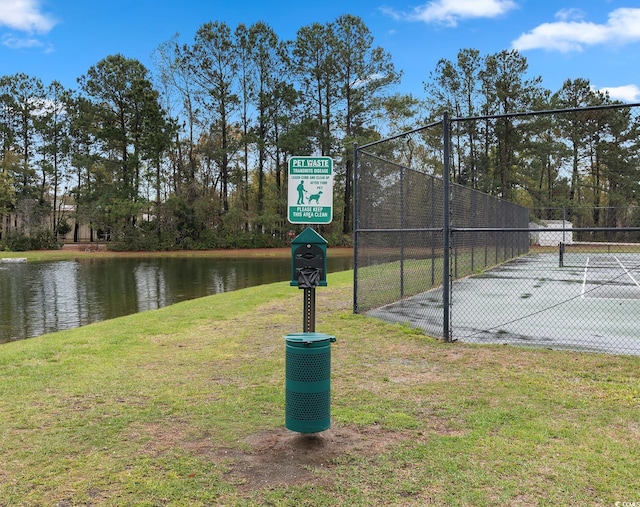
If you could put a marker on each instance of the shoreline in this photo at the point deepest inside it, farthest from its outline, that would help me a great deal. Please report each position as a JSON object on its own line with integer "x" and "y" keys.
{"x": 73, "y": 253}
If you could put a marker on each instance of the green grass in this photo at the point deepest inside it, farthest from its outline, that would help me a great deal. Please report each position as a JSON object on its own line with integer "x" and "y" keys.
{"x": 185, "y": 406}
{"x": 380, "y": 283}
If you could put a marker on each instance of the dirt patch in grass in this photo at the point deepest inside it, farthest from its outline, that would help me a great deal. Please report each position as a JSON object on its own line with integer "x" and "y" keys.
{"x": 283, "y": 458}
{"x": 275, "y": 457}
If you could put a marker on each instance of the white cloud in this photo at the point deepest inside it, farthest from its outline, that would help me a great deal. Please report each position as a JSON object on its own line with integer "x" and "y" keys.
{"x": 627, "y": 93}
{"x": 622, "y": 27}
{"x": 449, "y": 12}
{"x": 570, "y": 14}
{"x": 13, "y": 42}
{"x": 25, "y": 16}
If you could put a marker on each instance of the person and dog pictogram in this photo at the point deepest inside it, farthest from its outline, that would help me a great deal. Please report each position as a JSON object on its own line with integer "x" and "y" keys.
{"x": 301, "y": 194}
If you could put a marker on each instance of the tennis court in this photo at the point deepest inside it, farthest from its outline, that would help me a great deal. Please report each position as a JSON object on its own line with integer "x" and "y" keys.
{"x": 590, "y": 303}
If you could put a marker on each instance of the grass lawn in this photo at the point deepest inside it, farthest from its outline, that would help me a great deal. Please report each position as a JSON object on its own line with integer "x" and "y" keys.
{"x": 79, "y": 253}
{"x": 184, "y": 406}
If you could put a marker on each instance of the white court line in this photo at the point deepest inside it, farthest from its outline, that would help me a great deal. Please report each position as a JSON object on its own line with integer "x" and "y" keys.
{"x": 584, "y": 278}
{"x": 627, "y": 272}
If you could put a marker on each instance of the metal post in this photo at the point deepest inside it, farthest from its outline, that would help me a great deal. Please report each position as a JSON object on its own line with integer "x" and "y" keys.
{"x": 355, "y": 227}
{"x": 432, "y": 234}
{"x": 446, "y": 276}
{"x": 401, "y": 232}
{"x": 309, "y": 319}
{"x": 486, "y": 237}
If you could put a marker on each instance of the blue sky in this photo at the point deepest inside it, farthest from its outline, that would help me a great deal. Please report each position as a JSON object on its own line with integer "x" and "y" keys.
{"x": 598, "y": 40}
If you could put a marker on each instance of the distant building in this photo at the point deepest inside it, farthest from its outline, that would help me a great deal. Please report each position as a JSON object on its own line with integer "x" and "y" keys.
{"x": 22, "y": 221}
{"x": 542, "y": 237}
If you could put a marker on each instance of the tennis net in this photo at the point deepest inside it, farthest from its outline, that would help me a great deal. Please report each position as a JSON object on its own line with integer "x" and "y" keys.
{"x": 598, "y": 254}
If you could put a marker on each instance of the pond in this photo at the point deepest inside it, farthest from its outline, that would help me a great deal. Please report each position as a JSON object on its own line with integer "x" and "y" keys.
{"x": 42, "y": 297}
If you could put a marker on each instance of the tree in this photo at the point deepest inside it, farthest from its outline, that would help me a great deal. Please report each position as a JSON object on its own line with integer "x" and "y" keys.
{"x": 22, "y": 101}
{"x": 213, "y": 61}
{"x": 506, "y": 91}
{"x": 618, "y": 162}
{"x": 313, "y": 60}
{"x": 575, "y": 128}
{"x": 268, "y": 56}
{"x": 179, "y": 91}
{"x": 125, "y": 116}
{"x": 341, "y": 75}
{"x": 246, "y": 77}
{"x": 54, "y": 129}
{"x": 157, "y": 141}
{"x": 7, "y": 190}
{"x": 363, "y": 73}
{"x": 456, "y": 87}
{"x": 543, "y": 156}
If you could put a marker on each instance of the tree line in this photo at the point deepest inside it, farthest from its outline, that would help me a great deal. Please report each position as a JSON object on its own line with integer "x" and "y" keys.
{"x": 195, "y": 154}
{"x": 582, "y": 162}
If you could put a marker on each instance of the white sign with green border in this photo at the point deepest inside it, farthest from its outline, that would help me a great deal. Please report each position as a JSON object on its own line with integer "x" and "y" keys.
{"x": 310, "y": 198}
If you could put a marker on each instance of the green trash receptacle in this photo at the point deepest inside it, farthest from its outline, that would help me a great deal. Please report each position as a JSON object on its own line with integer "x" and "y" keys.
{"x": 308, "y": 382}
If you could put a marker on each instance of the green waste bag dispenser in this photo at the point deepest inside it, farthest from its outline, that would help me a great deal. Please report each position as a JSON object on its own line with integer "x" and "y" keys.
{"x": 309, "y": 260}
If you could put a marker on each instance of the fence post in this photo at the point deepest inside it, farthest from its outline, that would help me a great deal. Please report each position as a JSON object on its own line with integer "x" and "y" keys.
{"x": 356, "y": 220}
{"x": 402, "y": 224}
{"x": 446, "y": 268}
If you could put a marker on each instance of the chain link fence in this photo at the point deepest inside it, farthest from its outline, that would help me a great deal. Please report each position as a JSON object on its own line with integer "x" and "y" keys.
{"x": 464, "y": 265}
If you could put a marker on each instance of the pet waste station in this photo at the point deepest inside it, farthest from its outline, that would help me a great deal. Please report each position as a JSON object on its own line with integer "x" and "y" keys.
{"x": 308, "y": 353}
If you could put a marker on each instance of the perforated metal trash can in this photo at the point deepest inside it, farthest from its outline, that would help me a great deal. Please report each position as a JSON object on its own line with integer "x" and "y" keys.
{"x": 308, "y": 382}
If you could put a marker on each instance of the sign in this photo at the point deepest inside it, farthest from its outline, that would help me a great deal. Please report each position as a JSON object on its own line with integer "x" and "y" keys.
{"x": 310, "y": 196}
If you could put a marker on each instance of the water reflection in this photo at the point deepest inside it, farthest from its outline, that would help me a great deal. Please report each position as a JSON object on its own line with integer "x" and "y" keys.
{"x": 38, "y": 298}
